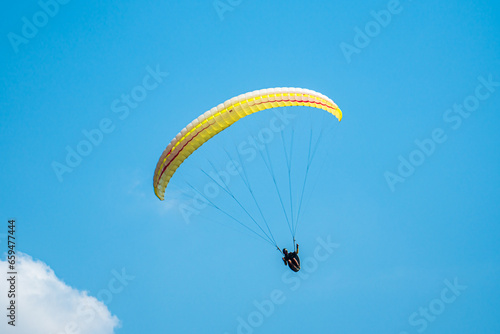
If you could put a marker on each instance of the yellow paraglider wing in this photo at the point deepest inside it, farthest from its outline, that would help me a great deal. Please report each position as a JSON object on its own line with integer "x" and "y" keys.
{"x": 224, "y": 115}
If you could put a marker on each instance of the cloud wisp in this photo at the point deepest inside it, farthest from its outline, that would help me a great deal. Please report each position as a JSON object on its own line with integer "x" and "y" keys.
{"x": 48, "y": 305}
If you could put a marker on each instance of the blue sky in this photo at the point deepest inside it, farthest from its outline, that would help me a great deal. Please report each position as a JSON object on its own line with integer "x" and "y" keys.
{"x": 404, "y": 223}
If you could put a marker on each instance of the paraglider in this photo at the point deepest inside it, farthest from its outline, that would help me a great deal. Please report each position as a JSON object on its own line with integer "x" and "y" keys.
{"x": 224, "y": 115}
{"x": 217, "y": 119}
{"x": 292, "y": 259}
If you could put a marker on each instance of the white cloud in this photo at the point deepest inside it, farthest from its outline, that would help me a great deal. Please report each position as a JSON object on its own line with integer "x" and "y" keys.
{"x": 46, "y": 305}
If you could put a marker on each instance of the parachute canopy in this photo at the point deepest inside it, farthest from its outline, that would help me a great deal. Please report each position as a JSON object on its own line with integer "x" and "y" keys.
{"x": 224, "y": 115}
